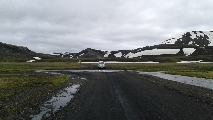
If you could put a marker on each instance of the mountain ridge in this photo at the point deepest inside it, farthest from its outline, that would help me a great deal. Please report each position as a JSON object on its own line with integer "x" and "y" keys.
{"x": 195, "y": 43}
{"x": 13, "y": 53}
{"x": 189, "y": 44}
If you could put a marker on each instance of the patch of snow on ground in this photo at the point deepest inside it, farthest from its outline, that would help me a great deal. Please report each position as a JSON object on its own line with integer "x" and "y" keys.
{"x": 190, "y": 43}
{"x": 37, "y": 58}
{"x": 107, "y": 54}
{"x": 128, "y": 55}
{"x": 153, "y": 52}
{"x": 119, "y": 54}
{"x": 31, "y": 61}
{"x": 188, "y": 51}
{"x": 199, "y": 34}
{"x": 193, "y": 35}
{"x": 81, "y": 54}
{"x": 202, "y": 82}
{"x": 184, "y": 62}
{"x": 199, "y": 61}
{"x": 56, "y": 54}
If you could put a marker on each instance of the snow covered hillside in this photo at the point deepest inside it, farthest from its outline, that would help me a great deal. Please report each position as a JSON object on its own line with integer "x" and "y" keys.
{"x": 190, "y": 43}
{"x": 199, "y": 38}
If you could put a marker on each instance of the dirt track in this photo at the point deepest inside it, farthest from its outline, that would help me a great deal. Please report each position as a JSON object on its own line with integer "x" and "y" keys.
{"x": 127, "y": 95}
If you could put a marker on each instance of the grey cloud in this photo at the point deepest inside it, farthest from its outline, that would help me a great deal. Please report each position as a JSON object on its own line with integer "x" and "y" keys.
{"x": 70, "y": 26}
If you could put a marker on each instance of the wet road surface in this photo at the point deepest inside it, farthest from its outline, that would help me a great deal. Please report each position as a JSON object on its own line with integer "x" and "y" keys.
{"x": 130, "y": 96}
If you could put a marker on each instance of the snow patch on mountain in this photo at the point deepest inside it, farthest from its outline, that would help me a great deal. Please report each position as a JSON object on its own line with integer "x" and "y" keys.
{"x": 189, "y": 43}
{"x": 118, "y": 55}
{"x": 81, "y": 54}
{"x": 35, "y": 58}
{"x": 194, "y": 35}
{"x": 153, "y": 52}
{"x": 188, "y": 51}
{"x": 107, "y": 54}
{"x": 31, "y": 61}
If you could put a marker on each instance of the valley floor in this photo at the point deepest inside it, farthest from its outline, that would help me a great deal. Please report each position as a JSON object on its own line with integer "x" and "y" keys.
{"x": 128, "y": 95}
{"x": 104, "y": 95}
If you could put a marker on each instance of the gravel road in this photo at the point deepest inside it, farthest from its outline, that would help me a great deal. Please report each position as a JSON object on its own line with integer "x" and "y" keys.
{"x": 130, "y": 96}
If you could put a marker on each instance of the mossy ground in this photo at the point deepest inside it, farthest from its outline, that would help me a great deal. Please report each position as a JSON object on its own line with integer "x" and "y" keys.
{"x": 21, "y": 90}
{"x": 23, "y": 66}
{"x": 21, "y": 93}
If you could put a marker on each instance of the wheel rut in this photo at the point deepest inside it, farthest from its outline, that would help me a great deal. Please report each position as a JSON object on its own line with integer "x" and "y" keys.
{"x": 130, "y": 96}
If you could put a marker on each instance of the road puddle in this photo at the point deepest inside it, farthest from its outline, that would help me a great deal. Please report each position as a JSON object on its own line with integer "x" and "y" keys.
{"x": 202, "y": 82}
{"x": 58, "y": 101}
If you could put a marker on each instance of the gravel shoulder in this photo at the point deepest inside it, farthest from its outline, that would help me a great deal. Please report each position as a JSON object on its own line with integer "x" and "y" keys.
{"x": 128, "y": 95}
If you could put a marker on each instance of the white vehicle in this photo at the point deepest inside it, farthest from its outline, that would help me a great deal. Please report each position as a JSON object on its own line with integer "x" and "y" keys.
{"x": 101, "y": 64}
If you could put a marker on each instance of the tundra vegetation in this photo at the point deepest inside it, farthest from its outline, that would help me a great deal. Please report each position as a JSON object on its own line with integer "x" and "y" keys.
{"x": 20, "y": 87}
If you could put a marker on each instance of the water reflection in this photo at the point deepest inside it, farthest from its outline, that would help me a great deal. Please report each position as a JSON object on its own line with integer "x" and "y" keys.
{"x": 202, "y": 82}
{"x": 56, "y": 102}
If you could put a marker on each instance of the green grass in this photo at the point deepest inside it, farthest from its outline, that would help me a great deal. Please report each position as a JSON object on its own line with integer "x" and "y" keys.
{"x": 13, "y": 82}
{"x": 23, "y": 66}
{"x": 13, "y": 75}
{"x": 20, "y": 91}
{"x": 25, "y": 89}
{"x": 194, "y": 69}
{"x": 8, "y": 81}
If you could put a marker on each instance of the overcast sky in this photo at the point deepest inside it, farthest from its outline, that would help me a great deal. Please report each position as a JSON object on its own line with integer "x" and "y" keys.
{"x": 48, "y": 26}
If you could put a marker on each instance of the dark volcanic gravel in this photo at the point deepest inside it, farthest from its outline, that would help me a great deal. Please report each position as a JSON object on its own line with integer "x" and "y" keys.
{"x": 128, "y": 95}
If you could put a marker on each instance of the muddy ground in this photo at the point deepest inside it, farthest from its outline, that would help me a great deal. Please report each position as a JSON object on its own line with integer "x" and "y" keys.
{"x": 128, "y": 95}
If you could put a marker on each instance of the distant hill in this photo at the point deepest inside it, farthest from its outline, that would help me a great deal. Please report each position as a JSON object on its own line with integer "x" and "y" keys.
{"x": 87, "y": 53}
{"x": 201, "y": 41}
{"x": 12, "y": 49}
{"x": 13, "y": 53}
{"x": 189, "y": 44}
{"x": 193, "y": 45}
{"x": 197, "y": 38}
